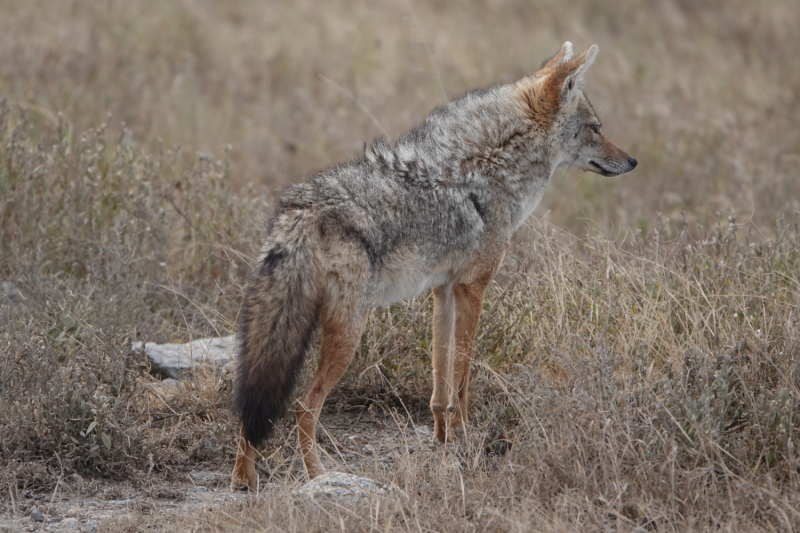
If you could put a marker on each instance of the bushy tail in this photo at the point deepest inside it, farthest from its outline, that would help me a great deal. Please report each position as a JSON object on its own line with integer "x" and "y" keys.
{"x": 278, "y": 320}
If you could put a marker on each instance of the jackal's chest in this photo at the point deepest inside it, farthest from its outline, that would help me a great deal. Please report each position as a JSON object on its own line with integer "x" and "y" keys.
{"x": 527, "y": 203}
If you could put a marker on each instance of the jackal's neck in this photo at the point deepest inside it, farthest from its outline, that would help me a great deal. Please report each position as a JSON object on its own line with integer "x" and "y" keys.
{"x": 478, "y": 142}
{"x": 458, "y": 142}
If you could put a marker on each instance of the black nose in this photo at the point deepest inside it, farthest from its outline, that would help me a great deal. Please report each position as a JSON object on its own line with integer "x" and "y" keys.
{"x": 633, "y": 162}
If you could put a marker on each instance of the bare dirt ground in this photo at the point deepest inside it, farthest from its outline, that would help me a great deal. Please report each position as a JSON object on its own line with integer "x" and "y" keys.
{"x": 365, "y": 440}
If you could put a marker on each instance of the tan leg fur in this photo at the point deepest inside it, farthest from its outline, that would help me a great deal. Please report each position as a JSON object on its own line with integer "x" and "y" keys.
{"x": 469, "y": 299}
{"x": 340, "y": 338}
{"x": 456, "y": 311}
{"x": 444, "y": 317}
{"x": 244, "y": 471}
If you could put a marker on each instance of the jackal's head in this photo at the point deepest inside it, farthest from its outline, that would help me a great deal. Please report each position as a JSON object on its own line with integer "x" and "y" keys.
{"x": 554, "y": 106}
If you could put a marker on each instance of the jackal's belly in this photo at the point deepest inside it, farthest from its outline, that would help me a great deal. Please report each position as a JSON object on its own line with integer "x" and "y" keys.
{"x": 406, "y": 275}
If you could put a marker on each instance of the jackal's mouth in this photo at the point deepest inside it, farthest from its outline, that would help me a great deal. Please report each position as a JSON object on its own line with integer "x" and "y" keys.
{"x": 602, "y": 171}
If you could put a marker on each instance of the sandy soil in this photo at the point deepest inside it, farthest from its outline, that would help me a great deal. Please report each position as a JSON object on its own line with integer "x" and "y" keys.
{"x": 361, "y": 440}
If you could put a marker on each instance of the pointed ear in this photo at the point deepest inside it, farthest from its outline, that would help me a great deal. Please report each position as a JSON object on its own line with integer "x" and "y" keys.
{"x": 540, "y": 97}
{"x": 561, "y": 57}
{"x": 567, "y": 79}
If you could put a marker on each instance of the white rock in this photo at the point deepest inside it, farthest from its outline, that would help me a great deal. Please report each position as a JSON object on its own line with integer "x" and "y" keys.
{"x": 172, "y": 360}
{"x": 342, "y": 486}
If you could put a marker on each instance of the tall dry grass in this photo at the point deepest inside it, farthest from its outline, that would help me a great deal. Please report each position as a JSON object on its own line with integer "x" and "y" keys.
{"x": 704, "y": 94}
{"x": 624, "y": 380}
{"x": 632, "y": 385}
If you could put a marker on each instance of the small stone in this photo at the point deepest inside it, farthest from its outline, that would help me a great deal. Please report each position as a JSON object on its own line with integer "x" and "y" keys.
{"x": 37, "y": 515}
{"x": 341, "y": 486}
{"x": 424, "y": 431}
{"x": 91, "y": 526}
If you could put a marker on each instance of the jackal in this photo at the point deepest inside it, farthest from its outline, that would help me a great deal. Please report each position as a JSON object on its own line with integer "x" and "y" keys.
{"x": 433, "y": 209}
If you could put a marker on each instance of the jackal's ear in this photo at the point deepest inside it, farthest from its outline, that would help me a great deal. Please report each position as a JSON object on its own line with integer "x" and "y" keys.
{"x": 563, "y": 55}
{"x": 567, "y": 79}
{"x": 539, "y": 97}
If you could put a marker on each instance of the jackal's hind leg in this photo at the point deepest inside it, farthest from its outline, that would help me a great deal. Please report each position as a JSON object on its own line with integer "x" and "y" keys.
{"x": 244, "y": 471}
{"x": 340, "y": 340}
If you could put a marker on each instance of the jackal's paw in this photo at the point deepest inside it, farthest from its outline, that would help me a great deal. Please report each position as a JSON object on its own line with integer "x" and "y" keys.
{"x": 314, "y": 470}
{"x": 445, "y": 433}
{"x": 244, "y": 481}
{"x": 447, "y": 427}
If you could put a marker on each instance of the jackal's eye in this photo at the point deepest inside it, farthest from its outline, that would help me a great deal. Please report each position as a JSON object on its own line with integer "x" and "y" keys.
{"x": 595, "y": 127}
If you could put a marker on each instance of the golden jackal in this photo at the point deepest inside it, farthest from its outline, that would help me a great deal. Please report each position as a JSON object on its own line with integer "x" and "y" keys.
{"x": 433, "y": 209}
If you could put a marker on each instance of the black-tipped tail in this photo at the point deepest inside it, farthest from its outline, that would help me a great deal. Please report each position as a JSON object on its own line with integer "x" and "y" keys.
{"x": 278, "y": 319}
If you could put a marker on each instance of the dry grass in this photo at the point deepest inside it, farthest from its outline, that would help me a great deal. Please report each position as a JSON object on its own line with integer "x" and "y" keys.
{"x": 629, "y": 381}
{"x": 703, "y": 94}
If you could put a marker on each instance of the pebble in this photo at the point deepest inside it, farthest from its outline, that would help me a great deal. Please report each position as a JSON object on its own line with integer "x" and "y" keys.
{"x": 37, "y": 515}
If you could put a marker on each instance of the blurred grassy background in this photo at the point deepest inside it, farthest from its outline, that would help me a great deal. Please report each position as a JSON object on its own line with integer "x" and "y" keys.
{"x": 704, "y": 94}
{"x": 622, "y": 382}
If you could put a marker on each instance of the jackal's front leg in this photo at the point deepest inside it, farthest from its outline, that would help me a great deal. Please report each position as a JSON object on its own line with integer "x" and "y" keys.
{"x": 444, "y": 314}
{"x": 468, "y": 302}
